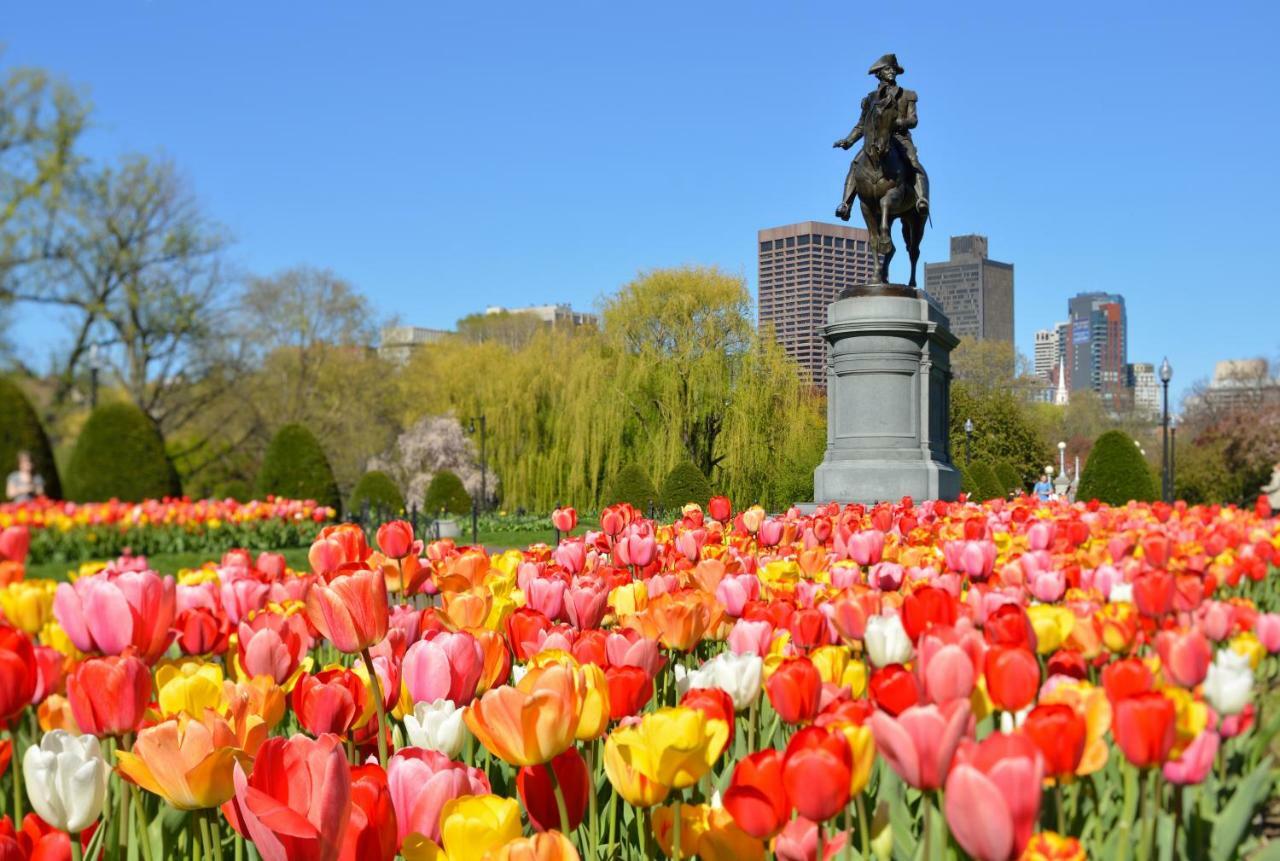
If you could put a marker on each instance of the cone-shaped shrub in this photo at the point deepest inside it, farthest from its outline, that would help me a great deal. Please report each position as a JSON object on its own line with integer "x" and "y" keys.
{"x": 295, "y": 467}
{"x": 984, "y": 479}
{"x": 20, "y": 430}
{"x": 632, "y": 485}
{"x": 446, "y": 491}
{"x": 684, "y": 484}
{"x": 1116, "y": 472}
{"x": 120, "y": 455}
{"x": 376, "y": 488}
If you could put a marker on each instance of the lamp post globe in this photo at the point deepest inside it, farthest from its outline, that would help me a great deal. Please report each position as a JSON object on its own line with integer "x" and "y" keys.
{"x": 1166, "y": 477}
{"x": 968, "y": 431}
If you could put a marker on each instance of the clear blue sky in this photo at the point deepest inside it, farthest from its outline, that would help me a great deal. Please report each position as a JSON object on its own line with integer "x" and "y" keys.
{"x": 447, "y": 156}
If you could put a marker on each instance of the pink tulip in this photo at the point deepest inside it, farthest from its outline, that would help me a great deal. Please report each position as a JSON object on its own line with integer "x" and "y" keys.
{"x": 636, "y": 549}
{"x": 445, "y": 666}
{"x": 273, "y": 565}
{"x": 421, "y": 783}
{"x": 1267, "y": 629}
{"x": 798, "y": 841}
{"x": 1040, "y": 534}
{"x": 242, "y": 595}
{"x": 866, "y": 547}
{"x": 1196, "y": 761}
{"x": 585, "y": 603}
{"x": 196, "y": 596}
{"x": 735, "y": 590}
{"x": 770, "y": 532}
{"x": 885, "y": 576}
{"x": 1184, "y": 656}
{"x": 993, "y": 796}
{"x": 919, "y": 743}
{"x": 748, "y": 637}
{"x": 948, "y": 662}
{"x": 624, "y": 651}
{"x": 406, "y": 619}
{"x": 546, "y": 595}
{"x": 687, "y": 545}
{"x": 1049, "y": 586}
{"x": 571, "y": 556}
{"x": 844, "y": 576}
{"x": 109, "y": 612}
{"x": 564, "y": 519}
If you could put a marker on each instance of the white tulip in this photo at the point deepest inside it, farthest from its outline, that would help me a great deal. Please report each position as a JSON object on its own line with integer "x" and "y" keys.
{"x": 1121, "y": 593}
{"x": 887, "y": 641}
{"x": 66, "y": 779}
{"x": 437, "y": 726}
{"x": 699, "y": 678}
{"x": 1229, "y": 683}
{"x": 740, "y": 675}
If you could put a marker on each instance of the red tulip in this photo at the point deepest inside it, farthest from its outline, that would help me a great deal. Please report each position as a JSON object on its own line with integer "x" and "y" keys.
{"x": 1144, "y": 728}
{"x": 1066, "y": 662}
{"x": 564, "y": 519}
{"x": 18, "y": 673}
{"x": 336, "y": 546}
{"x": 1060, "y": 733}
{"x": 371, "y": 833}
{"x": 1009, "y": 625}
{"x": 1153, "y": 593}
{"x": 629, "y": 690}
{"x": 894, "y": 688}
{"x": 350, "y": 610}
{"x": 757, "y": 798}
{"x": 422, "y": 782}
{"x": 525, "y": 626}
{"x": 533, "y": 784}
{"x": 201, "y": 631}
{"x": 51, "y": 669}
{"x": 331, "y": 701}
{"x": 817, "y": 772}
{"x": 794, "y": 690}
{"x": 919, "y": 743}
{"x": 109, "y": 696}
{"x": 395, "y": 539}
{"x": 993, "y": 796}
{"x": 14, "y": 543}
{"x": 1126, "y": 678}
{"x": 719, "y": 508}
{"x": 1013, "y": 677}
{"x": 1184, "y": 656}
{"x": 296, "y": 802}
{"x": 925, "y": 607}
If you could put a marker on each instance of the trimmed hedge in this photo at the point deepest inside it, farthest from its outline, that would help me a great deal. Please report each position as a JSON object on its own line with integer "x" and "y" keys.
{"x": 120, "y": 455}
{"x": 632, "y": 485}
{"x": 377, "y": 488}
{"x": 1008, "y": 477}
{"x": 447, "y": 492}
{"x": 685, "y": 483}
{"x": 984, "y": 479}
{"x": 295, "y": 467}
{"x": 966, "y": 481}
{"x": 20, "y": 430}
{"x": 1116, "y": 472}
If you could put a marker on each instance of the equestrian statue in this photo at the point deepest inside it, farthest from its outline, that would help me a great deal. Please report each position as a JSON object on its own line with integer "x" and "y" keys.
{"x": 886, "y": 177}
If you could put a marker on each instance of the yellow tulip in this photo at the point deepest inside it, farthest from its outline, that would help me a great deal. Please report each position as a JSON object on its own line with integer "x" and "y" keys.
{"x": 862, "y": 747}
{"x": 723, "y": 840}
{"x": 693, "y": 825}
{"x": 1052, "y": 624}
{"x": 260, "y": 696}
{"x": 673, "y": 746}
{"x": 636, "y": 788}
{"x": 592, "y": 690}
{"x": 629, "y": 599}
{"x": 190, "y": 687}
{"x": 1246, "y": 643}
{"x": 28, "y": 604}
{"x": 187, "y": 762}
{"x": 53, "y": 636}
{"x": 473, "y": 826}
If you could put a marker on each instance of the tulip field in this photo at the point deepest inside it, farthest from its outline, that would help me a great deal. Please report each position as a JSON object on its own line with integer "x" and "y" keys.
{"x": 1009, "y": 680}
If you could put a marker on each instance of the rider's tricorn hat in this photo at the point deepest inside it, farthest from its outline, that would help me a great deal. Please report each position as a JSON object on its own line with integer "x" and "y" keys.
{"x": 888, "y": 61}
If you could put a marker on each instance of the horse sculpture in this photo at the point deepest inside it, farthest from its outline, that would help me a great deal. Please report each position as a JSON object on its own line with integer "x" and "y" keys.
{"x": 882, "y": 179}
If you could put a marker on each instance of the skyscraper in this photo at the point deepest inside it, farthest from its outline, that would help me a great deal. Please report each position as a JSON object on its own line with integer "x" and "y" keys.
{"x": 975, "y": 292}
{"x": 1097, "y": 349}
{"x": 803, "y": 267}
{"x": 1146, "y": 388}
{"x": 1049, "y": 352}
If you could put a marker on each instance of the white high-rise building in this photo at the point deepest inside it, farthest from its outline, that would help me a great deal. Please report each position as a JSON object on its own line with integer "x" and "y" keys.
{"x": 1050, "y": 351}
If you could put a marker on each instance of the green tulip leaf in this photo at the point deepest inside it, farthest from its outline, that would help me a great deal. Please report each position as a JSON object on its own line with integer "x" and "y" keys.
{"x": 1232, "y": 822}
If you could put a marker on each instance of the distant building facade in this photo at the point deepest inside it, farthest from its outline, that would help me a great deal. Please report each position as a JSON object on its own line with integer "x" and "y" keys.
{"x": 557, "y": 315}
{"x": 1146, "y": 388}
{"x": 1240, "y": 384}
{"x": 397, "y": 343}
{"x": 1097, "y": 345}
{"x": 1050, "y": 352}
{"x": 975, "y": 292}
{"x": 802, "y": 268}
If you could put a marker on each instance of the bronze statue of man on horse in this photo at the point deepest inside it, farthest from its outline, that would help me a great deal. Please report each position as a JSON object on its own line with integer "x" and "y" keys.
{"x": 886, "y": 177}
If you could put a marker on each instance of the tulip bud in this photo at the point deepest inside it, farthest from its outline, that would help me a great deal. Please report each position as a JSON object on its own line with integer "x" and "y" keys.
{"x": 437, "y": 726}
{"x": 66, "y": 779}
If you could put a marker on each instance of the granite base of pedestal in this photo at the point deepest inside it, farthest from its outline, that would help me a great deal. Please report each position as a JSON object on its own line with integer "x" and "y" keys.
{"x": 888, "y": 399}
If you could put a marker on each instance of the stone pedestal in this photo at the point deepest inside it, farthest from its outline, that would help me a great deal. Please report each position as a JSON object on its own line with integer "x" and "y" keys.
{"x": 888, "y": 399}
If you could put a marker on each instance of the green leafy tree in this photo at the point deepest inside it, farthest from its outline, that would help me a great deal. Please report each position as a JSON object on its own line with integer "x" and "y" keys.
{"x": 378, "y": 490}
{"x": 21, "y": 430}
{"x": 120, "y": 454}
{"x": 1116, "y": 472}
{"x": 1008, "y": 477}
{"x": 511, "y": 330}
{"x": 685, "y": 483}
{"x": 446, "y": 492}
{"x": 632, "y": 485}
{"x": 1002, "y": 430}
{"x": 295, "y": 467}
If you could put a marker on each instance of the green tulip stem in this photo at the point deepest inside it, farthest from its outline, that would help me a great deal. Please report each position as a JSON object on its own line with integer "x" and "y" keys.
{"x": 613, "y": 822}
{"x": 376, "y": 684}
{"x": 864, "y": 827}
{"x": 15, "y": 765}
{"x": 818, "y": 854}
{"x": 122, "y": 801}
{"x": 144, "y": 838}
{"x": 927, "y": 855}
{"x": 593, "y": 810}
{"x": 561, "y": 807}
{"x": 1057, "y": 804}
{"x": 206, "y": 840}
{"x": 77, "y": 854}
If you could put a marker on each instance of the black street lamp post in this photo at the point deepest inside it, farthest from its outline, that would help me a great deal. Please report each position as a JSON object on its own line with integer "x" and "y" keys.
{"x": 1166, "y": 475}
{"x": 95, "y": 365}
{"x": 968, "y": 430}
{"x": 484, "y": 469}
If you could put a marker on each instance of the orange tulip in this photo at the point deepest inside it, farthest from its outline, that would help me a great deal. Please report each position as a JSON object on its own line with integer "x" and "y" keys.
{"x": 532, "y": 726}
{"x": 543, "y": 846}
{"x": 680, "y": 619}
{"x": 187, "y": 762}
{"x": 350, "y": 610}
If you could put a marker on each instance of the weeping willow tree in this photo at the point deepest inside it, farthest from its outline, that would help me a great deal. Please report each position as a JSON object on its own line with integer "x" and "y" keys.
{"x": 676, "y": 374}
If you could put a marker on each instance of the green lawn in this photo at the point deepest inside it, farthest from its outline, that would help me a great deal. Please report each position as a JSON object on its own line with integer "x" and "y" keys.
{"x": 171, "y": 563}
